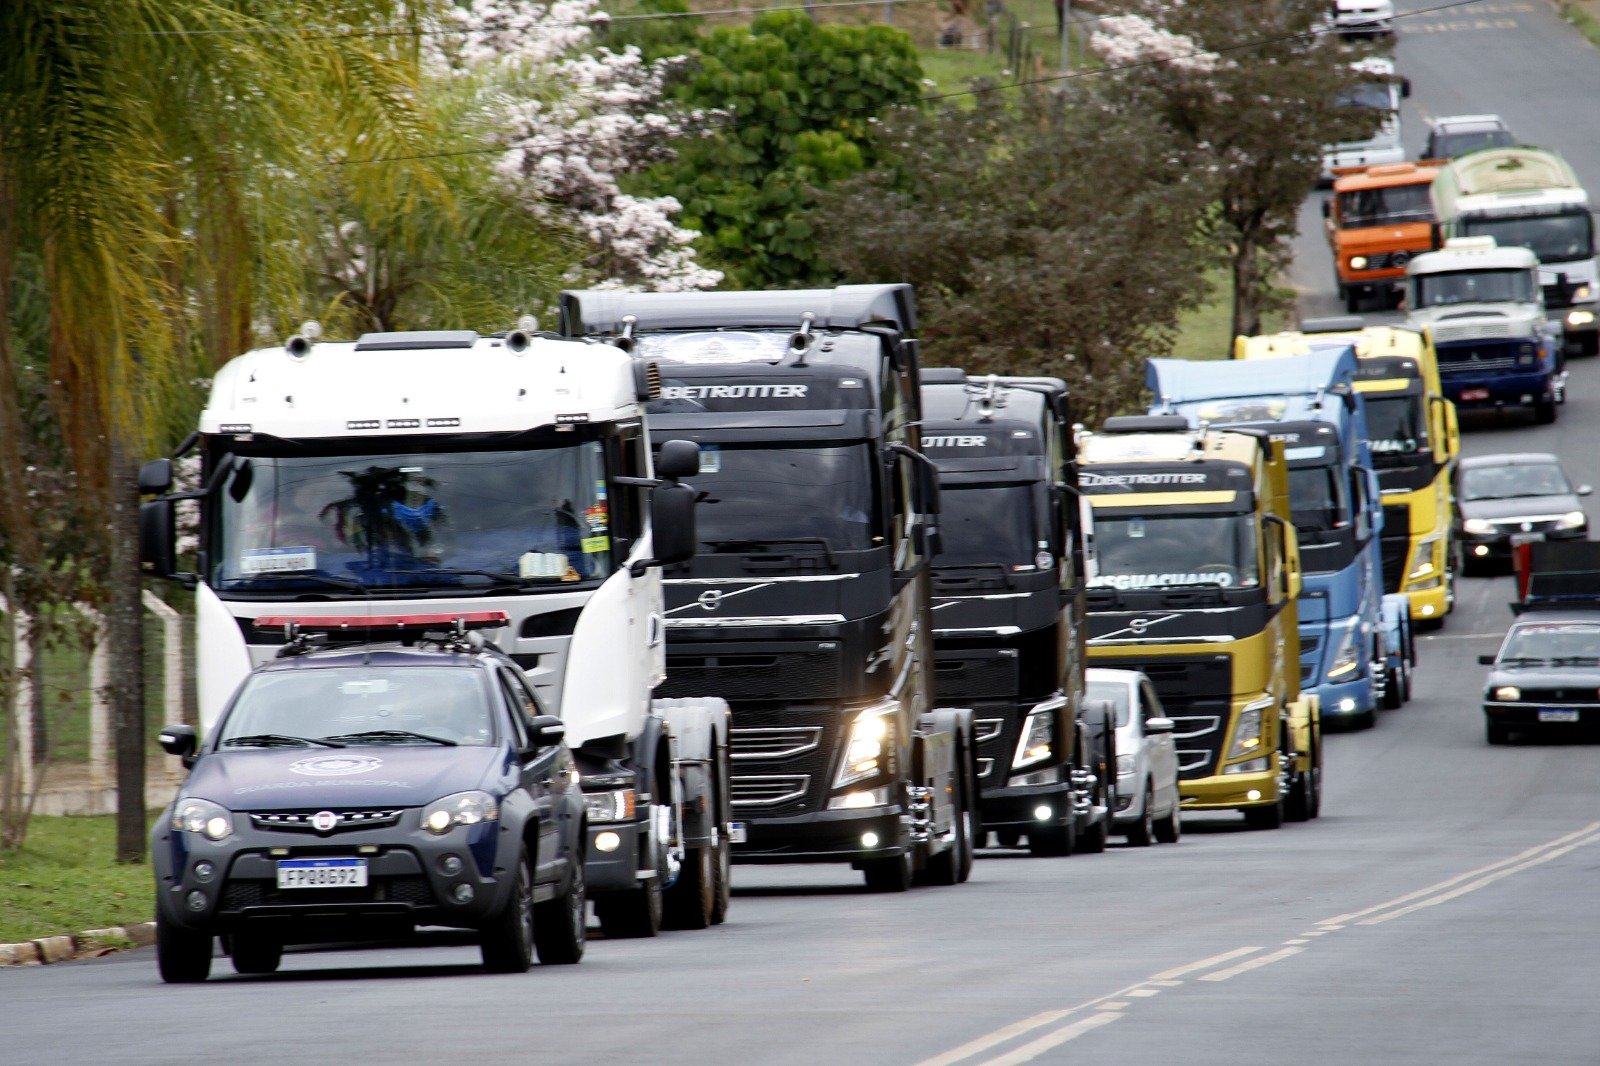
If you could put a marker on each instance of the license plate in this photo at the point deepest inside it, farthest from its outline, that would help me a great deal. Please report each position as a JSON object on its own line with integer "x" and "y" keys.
{"x": 1525, "y": 538}
{"x": 1474, "y": 394}
{"x": 322, "y": 873}
{"x": 1558, "y": 716}
{"x": 736, "y": 833}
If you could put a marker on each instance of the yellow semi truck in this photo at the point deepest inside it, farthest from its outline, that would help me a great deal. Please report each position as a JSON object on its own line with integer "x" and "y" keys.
{"x": 1415, "y": 441}
{"x": 1194, "y": 575}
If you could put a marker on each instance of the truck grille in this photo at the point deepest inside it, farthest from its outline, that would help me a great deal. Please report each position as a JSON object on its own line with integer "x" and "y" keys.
{"x": 767, "y": 790}
{"x": 1196, "y": 694}
{"x": 810, "y": 674}
{"x": 783, "y": 755}
{"x": 1472, "y": 356}
{"x": 778, "y": 742}
{"x": 1310, "y": 649}
{"x": 975, "y": 675}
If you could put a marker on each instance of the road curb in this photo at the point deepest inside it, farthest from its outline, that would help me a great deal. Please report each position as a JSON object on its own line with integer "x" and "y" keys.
{"x": 64, "y": 948}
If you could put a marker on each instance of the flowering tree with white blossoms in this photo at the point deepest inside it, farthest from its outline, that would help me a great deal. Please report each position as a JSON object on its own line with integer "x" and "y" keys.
{"x": 574, "y": 119}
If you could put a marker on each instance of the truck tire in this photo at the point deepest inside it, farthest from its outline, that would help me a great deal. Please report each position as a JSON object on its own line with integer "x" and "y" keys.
{"x": 254, "y": 953}
{"x": 888, "y": 875}
{"x": 182, "y": 955}
{"x": 635, "y": 912}
{"x": 689, "y": 903}
{"x": 1092, "y": 841}
{"x": 723, "y": 871}
{"x": 561, "y": 925}
{"x": 954, "y": 864}
{"x": 1264, "y": 817}
{"x": 1352, "y": 299}
{"x": 1305, "y": 795}
{"x": 1054, "y": 841}
{"x": 506, "y": 939}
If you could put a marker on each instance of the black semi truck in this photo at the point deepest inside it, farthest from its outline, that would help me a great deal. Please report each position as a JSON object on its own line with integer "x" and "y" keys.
{"x": 1009, "y": 607}
{"x": 807, "y": 606}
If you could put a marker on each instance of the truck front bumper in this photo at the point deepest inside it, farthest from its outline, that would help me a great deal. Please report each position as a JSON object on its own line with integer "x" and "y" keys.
{"x": 1429, "y": 603}
{"x": 1230, "y": 792}
{"x": 851, "y": 836}
{"x": 1478, "y": 392}
{"x": 1019, "y": 806}
{"x": 1345, "y": 699}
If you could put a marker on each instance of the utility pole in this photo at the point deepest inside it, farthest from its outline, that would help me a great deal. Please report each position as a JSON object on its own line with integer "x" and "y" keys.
{"x": 1066, "y": 36}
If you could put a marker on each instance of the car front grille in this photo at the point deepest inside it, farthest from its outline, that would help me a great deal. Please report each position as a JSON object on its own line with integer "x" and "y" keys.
{"x": 347, "y": 820}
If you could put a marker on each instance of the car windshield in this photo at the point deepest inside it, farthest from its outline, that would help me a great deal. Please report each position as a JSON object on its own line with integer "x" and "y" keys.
{"x": 1393, "y": 203}
{"x": 1175, "y": 551}
{"x": 1395, "y": 426}
{"x": 1512, "y": 481}
{"x": 1475, "y": 286}
{"x": 1553, "y": 238}
{"x": 413, "y": 520}
{"x": 414, "y": 704}
{"x": 985, "y": 524}
{"x": 1317, "y": 498}
{"x": 1450, "y": 145}
{"x": 1114, "y": 692}
{"x": 785, "y": 495}
{"x": 1553, "y": 643}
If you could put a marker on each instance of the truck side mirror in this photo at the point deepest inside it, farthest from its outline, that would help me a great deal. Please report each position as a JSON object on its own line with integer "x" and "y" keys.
{"x": 1486, "y": 660}
{"x": 155, "y": 477}
{"x": 672, "y": 529}
{"x": 1157, "y": 726}
{"x": 1327, "y": 209}
{"x": 1584, "y": 490}
{"x": 678, "y": 459}
{"x": 158, "y": 551}
{"x": 1405, "y": 88}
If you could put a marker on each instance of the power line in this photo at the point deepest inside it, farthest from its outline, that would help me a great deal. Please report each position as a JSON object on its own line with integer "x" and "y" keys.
{"x": 933, "y": 98}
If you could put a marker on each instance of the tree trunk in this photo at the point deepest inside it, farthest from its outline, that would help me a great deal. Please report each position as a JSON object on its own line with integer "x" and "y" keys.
{"x": 124, "y": 621}
{"x": 1248, "y": 287}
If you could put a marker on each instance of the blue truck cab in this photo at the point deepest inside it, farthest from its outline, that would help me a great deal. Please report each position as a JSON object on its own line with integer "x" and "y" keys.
{"x": 1310, "y": 403}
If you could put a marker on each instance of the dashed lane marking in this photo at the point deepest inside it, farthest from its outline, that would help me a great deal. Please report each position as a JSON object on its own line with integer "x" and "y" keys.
{"x": 1251, "y": 964}
{"x": 1144, "y": 993}
{"x": 1028, "y": 1052}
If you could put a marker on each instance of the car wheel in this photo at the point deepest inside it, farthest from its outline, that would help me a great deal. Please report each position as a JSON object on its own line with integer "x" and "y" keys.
{"x": 1142, "y": 832}
{"x": 561, "y": 925}
{"x": 689, "y": 903}
{"x": 1169, "y": 828}
{"x": 888, "y": 875}
{"x": 254, "y": 953}
{"x": 1496, "y": 733}
{"x": 182, "y": 955}
{"x": 506, "y": 939}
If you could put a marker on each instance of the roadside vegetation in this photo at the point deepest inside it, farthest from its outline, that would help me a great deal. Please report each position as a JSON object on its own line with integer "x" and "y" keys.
{"x": 65, "y": 880}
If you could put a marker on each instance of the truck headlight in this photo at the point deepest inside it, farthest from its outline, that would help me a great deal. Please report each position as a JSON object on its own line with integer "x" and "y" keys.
{"x": 1481, "y": 527}
{"x": 1247, "y": 733}
{"x": 1572, "y": 520}
{"x": 461, "y": 808}
{"x": 211, "y": 820}
{"x": 1358, "y": 262}
{"x": 1126, "y": 764}
{"x": 1527, "y": 360}
{"x": 611, "y": 805}
{"x": 1033, "y": 746}
{"x": 1580, "y": 294}
{"x": 866, "y": 748}
{"x": 1254, "y": 766}
{"x": 1348, "y": 658}
{"x": 1508, "y": 694}
{"x": 1425, "y": 566}
{"x": 1579, "y": 318}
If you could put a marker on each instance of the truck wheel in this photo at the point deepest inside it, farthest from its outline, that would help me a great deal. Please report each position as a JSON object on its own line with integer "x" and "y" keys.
{"x": 1544, "y": 412}
{"x": 888, "y": 875}
{"x": 561, "y": 925}
{"x": 723, "y": 871}
{"x": 953, "y": 865}
{"x": 1092, "y": 841}
{"x": 689, "y": 903}
{"x": 182, "y": 956}
{"x": 1352, "y": 299}
{"x": 253, "y": 953}
{"x": 1394, "y": 687}
{"x": 506, "y": 939}
{"x": 1264, "y": 817}
{"x": 1303, "y": 796}
{"x": 1055, "y": 841}
{"x": 1142, "y": 832}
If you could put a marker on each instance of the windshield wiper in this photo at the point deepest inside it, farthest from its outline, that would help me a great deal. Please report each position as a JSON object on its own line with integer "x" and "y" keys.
{"x": 399, "y": 736}
{"x": 515, "y": 580}
{"x": 1575, "y": 660}
{"x": 321, "y": 579}
{"x": 280, "y": 740}
{"x": 762, "y": 542}
{"x": 1521, "y": 660}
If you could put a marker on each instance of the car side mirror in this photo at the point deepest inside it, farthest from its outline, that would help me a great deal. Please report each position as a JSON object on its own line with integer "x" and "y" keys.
{"x": 179, "y": 740}
{"x": 1157, "y": 726}
{"x": 678, "y": 459}
{"x": 1405, "y": 88}
{"x": 1486, "y": 660}
{"x": 672, "y": 528}
{"x": 1584, "y": 490}
{"x": 547, "y": 730}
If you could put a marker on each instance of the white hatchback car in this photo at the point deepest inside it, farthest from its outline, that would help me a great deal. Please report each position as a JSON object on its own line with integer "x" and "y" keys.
{"x": 1148, "y": 807}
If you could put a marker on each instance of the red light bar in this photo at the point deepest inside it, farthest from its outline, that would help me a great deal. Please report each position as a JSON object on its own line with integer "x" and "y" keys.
{"x": 469, "y": 619}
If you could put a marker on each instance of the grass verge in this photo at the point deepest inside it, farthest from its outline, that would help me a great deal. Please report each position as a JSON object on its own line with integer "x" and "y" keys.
{"x": 64, "y": 881}
{"x": 1584, "y": 17}
{"x": 1206, "y": 332}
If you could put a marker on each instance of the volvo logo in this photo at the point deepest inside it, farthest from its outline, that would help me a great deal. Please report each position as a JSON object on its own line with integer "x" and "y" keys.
{"x": 324, "y": 821}
{"x": 710, "y": 599}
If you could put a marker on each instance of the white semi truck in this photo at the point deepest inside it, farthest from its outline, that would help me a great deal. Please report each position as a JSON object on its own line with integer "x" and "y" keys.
{"x": 374, "y": 488}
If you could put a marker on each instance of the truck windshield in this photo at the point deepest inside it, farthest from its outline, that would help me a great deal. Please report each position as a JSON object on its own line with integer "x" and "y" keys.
{"x": 359, "y": 705}
{"x": 1376, "y": 95}
{"x": 1317, "y": 498}
{"x": 1475, "y": 286}
{"x": 986, "y": 524}
{"x": 1395, "y": 427}
{"x": 753, "y": 495}
{"x": 1553, "y": 238}
{"x": 416, "y": 520}
{"x": 1175, "y": 551}
{"x": 1394, "y": 203}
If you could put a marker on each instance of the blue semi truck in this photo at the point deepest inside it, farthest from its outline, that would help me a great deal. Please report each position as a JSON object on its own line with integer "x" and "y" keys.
{"x": 1355, "y": 651}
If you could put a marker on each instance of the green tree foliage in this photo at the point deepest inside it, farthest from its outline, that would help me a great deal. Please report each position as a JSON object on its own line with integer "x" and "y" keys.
{"x": 788, "y": 106}
{"x": 1050, "y": 235}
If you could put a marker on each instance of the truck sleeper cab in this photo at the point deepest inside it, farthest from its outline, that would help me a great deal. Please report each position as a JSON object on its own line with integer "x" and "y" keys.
{"x": 1194, "y": 576}
{"x": 806, "y": 606}
{"x": 1008, "y": 603}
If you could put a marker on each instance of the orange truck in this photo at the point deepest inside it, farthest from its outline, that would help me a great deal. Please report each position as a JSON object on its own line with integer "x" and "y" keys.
{"x": 1377, "y": 219}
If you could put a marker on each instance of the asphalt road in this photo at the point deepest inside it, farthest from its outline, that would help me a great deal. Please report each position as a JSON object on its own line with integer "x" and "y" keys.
{"x": 1442, "y": 909}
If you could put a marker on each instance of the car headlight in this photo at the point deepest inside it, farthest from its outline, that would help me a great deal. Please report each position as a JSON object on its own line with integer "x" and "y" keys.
{"x": 211, "y": 820}
{"x": 1481, "y": 527}
{"x": 1358, "y": 262}
{"x": 462, "y": 808}
{"x": 1126, "y": 764}
{"x": 1033, "y": 746}
{"x": 1425, "y": 565}
{"x": 1348, "y": 657}
{"x": 612, "y": 805}
{"x": 1583, "y": 292}
{"x": 1247, "y": 733}
{"x": 866, "y": 750}
{"x": 1572, "y": 520}
{"x": 1508, "y": 693}
{"x": 1579, "y": 318}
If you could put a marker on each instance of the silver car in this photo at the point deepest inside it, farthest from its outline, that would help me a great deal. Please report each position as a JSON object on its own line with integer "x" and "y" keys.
{"x": 1147, "y": 760}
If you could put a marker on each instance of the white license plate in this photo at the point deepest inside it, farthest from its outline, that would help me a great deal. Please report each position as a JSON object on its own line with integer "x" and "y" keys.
{"x": 322, "y": 873}
{"x": 1526, "y": 538}
{"x": 736, "y": 833}
{"x": 1474, "y": 394}
{"x": 1558, "y": 716}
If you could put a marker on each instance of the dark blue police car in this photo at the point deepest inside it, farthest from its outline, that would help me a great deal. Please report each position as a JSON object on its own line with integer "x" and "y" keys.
{"x": 354, "y": 793}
